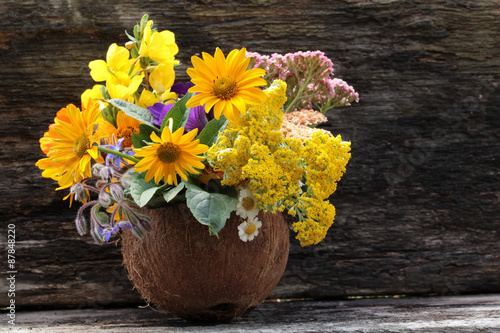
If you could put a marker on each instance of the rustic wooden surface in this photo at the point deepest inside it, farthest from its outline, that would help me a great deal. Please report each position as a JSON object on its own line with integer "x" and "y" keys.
{"x": 417, "y": 211}
{"x": 454, "y": 314}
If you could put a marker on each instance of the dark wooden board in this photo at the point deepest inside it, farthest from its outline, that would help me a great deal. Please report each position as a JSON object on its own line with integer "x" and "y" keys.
{"x": 457, "y": 314}
{"x": 418, "y": 209}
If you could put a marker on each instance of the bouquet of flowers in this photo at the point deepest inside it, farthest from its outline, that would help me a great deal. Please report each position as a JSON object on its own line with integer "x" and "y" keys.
{"x": 241, "y": 136}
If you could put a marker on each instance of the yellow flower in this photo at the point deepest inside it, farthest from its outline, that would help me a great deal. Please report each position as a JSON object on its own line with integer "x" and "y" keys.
{"x": 158, "y": 46}
{"x": 117, "y": 61}
{"x": 225, "y": 84}
{"x": 147, "y": 98}
{"x": 121, "y": 74}
{"x": 162, "y": 78}
{"x": 119, "y": 216}
{"x": 69, "y": 159}
{"x": 126, "y": 126}
{"x": 50, "y": 137}
{"x": 125, "y": 88}
{"x": 173, "y": 153}
{"x": 320, "y": 215}
{"x": 93, "y": 94}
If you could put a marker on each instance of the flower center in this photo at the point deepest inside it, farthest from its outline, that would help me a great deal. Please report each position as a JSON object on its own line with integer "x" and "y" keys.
{"x": 126, "y": 133}
{"x": 81, "y": 144}
{"x": 250, "y": 229}
{"x": 225, "y": 87}
{"x": 168, "y": 152}
{"x": 248, "y": 203}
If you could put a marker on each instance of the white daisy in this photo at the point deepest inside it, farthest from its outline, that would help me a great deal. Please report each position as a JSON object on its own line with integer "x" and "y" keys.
{"x": 246, "y": 207}
{"x": 249, "y": 229}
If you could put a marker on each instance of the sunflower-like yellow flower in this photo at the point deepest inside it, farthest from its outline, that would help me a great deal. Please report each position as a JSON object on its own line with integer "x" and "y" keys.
{"x": 74, "y": 145}
{"x": 225, "y": 84}
{"x": 173, "y": 153}
{"x": 50, "y": 137}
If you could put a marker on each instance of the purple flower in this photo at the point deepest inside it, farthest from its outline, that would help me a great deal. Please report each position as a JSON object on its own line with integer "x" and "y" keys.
{"x": 159, "y": 111}
{"x": 108, "y": 232}
{"x": 197, "y": 119}
{"x": 115, "y": 158}
{"x": 180, "y": 88}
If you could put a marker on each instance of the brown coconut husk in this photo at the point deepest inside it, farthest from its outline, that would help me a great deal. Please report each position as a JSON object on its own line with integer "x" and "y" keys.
{"x": 181, "y": 269}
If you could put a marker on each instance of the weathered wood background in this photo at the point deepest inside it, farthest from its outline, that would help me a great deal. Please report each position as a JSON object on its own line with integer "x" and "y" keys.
{"x": 418, "y": 210}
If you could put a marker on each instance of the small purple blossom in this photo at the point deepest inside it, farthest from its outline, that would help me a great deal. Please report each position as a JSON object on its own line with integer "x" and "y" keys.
{"x": 109, "y": 232}
{"x": 181, "y": 89}
{"x": 197, "y": 119}
{"x": 115, "y": 158}
{"x": 159, "y": 111}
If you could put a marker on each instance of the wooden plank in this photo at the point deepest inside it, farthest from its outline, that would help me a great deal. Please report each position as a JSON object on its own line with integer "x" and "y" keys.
{"x": 417, "y": 211}
{"x": 437, "y": 314}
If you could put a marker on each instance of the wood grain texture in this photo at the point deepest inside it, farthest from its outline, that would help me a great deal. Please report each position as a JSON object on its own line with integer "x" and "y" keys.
{"x": 458, "y": 314}
{"x": 418, "y": 209}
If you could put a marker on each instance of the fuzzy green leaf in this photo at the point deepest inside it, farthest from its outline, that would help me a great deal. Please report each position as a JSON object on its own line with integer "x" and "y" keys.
{"x": 132, "y": 110}
{"x": 211, "y": 209}
{"x": 211, "y": 131}
{"x": 172, "y": 193}
{"x": 179, "y": 113}
{"x": 138, "y": 186}
{"x": 147, "y": 195}
{"x": 144, "y": 136}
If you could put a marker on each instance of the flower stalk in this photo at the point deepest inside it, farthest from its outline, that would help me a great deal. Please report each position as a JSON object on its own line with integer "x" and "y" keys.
{"x": 117, "y": 153}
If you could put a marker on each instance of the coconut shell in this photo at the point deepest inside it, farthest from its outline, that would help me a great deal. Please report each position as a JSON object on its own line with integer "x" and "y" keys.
{"x": 181, "y": 269}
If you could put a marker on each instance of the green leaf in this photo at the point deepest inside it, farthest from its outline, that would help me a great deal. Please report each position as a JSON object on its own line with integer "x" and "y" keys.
{"x": 132, "y": 110}
{"x": 147, "y": 195}
{"x": 137, "y": 33}
{"x": 211, "y": 131}
{"x": 179, "y": 113}
{"x": 172, "y": 193}
{"x": 211, "y": 209}
{"x": 138, "y": 186}
{"x": 144, "y": 136}
{"x": 132, "y": 38}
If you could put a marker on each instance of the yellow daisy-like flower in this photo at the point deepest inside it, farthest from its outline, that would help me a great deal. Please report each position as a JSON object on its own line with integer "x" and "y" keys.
{"x": 225, "y": 84}
{"x": 50, "y": 137}
{"x": 173, "y": 153}
{"x": 69, "y": 159}
{"x": 126, "y": 126}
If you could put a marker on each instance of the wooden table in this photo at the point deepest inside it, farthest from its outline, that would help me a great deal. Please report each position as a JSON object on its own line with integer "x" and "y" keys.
{"x": 474, "y": 313}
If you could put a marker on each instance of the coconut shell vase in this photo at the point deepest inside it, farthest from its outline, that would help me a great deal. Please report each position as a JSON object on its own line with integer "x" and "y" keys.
{"x": 183, "y": 270}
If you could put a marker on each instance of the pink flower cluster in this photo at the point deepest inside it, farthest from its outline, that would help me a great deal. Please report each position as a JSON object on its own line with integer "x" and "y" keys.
{"x": 309, "y": 79}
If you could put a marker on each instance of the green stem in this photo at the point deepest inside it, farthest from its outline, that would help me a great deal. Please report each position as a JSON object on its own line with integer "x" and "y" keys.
{"x": 298, "y": 95}
{"x": 131, "y": 69}
{"x": 117, "y": 153}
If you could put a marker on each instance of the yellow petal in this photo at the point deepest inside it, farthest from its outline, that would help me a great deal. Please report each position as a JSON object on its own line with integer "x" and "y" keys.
{"x": 98, "y": 70}
{"x": 162, "y": 78}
